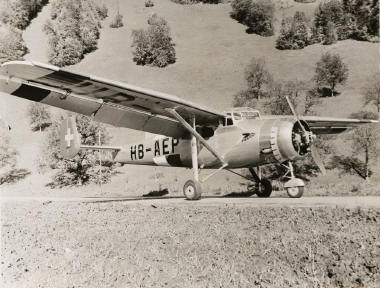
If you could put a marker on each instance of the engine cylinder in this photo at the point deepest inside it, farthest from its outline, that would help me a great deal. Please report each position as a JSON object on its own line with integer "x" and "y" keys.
{"x": 287, "y": 140}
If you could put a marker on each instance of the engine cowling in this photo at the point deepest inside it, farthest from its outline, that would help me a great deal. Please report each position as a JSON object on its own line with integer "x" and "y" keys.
{"x": 287, "y": 140}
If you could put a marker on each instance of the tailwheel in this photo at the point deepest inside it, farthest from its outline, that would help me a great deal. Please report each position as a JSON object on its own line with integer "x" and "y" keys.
{"x": 265, "y": 188}
{"x": 192, "y": 190}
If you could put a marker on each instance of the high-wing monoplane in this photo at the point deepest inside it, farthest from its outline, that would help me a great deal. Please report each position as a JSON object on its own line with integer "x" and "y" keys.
{"x": 192, "y": 136}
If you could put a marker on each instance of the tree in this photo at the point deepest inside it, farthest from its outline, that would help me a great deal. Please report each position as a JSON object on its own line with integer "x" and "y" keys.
{"x": 153, "y": 46}
{"x": 258, "y": 77}
{"x": 71, "y": 36}
{"x": 117, "y": 21}
{"x": 331, "y": 71}
{"x": 40, "y": 117}
{"x": 364, "y": 146}
{"x": 295, "y": 32}
{"x": 8, "y": 171}
{"x": 257, "y": 15}
{"x": 83, "y": 168}
{"x": 12, "y": 46}
{"x": 372, "y": 91}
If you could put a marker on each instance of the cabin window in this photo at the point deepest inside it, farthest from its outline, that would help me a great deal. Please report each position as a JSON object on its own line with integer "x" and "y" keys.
{"x": 228, "y": 121}
{"x": 237, "y": 116}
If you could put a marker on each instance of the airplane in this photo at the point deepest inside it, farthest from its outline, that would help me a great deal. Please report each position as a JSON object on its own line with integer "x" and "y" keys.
{"x": 192, "y": 136}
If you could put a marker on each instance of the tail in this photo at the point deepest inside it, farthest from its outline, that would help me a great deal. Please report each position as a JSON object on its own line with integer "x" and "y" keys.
{"x": 70, "y": 142}
{"x": 69, "y": 138}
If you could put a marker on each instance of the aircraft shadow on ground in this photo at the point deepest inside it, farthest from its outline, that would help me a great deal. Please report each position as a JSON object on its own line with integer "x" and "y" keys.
{"x": 149, "y": 196}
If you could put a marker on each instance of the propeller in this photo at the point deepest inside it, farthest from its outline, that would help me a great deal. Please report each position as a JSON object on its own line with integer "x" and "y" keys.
{"x": 317, "y": 159}
{"x": 314, "y": 152}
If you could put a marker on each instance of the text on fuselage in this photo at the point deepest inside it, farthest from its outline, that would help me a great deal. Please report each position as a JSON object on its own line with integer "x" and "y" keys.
{"x": 164, "y": 146}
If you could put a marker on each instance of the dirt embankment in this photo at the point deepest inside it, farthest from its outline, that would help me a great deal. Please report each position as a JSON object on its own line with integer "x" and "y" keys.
{"x": 65, "y": 244}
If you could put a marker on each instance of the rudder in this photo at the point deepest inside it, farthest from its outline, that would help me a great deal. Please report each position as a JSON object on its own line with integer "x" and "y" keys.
{"x": 69, "y": 138}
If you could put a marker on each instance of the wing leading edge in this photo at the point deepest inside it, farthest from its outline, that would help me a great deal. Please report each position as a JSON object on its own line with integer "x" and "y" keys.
{"x": 328, "y": 125}
{"x": 110, "y": 102}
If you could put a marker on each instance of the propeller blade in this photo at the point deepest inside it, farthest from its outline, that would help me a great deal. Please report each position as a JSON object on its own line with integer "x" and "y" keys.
{"x": 295, "y": 114}
{"x": 317, "y": 159}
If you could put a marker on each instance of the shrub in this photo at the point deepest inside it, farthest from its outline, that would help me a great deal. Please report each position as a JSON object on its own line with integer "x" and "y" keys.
{"x": 185, "y": 2}
{"x": 117, "y": 21}
{"x": 12, "y": 46}
{"x": 149, "y": 3}
{"x": 153, "y": 46}
{"x": 70, "y": 36}
{"x": 19, "y": 13}
{"x": 294, "y": 33}
{"x": 240, "y": 10}
{"x": 102, "y": 11}
{"x": 258, "y": 15}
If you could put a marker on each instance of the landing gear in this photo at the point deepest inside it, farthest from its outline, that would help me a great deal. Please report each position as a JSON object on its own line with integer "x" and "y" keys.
{"x": 192, "y": 190}
{"x": 295, "y": 186}
{"x": 264, "y": 188}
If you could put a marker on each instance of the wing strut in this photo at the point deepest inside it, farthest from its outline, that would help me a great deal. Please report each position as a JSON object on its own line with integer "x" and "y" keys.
{"x": 193, "y": 132}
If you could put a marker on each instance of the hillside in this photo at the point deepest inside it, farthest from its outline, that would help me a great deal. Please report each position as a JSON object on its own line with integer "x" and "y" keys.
{"x": 212, "y": 53}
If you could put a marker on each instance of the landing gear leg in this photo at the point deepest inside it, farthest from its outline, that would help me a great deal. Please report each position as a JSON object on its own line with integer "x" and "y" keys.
{"x": 192, "y": 189}
{"x": 295, "y": 186}
{"x": 264, "y": 186}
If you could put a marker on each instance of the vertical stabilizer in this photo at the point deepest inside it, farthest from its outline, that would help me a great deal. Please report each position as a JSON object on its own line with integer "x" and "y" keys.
{"x": 69, "y": 138}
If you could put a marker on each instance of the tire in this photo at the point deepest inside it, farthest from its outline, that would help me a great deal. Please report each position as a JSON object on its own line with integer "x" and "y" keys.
{"x": 192, "y": 190}
{"x": 295, "y": 192}
{"x": 264, "y": 189}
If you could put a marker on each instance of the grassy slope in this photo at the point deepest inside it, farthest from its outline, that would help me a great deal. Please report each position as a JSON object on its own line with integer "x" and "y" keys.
{"x": 212, "y": 52}
{"x": 136, "y": 245}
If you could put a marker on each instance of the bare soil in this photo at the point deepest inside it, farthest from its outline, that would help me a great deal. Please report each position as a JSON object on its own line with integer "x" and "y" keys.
{"x": 123, "y": 244}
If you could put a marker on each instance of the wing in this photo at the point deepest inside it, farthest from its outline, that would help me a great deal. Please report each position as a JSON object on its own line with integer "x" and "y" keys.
{"x": 110, "y": 102}
{"x": 327, "y": 125}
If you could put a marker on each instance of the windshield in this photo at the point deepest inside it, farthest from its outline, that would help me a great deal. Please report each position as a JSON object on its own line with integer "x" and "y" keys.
{"x": 250, "y": 115}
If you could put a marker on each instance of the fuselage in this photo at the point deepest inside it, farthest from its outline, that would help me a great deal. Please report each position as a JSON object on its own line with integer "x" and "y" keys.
{"x": 246, "y": 143}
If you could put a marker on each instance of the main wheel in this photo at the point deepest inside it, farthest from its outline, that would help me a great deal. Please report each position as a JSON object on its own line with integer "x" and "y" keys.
{"x": 192, "y": 190}
{"x": 295, "y": 192}
{"x": 264, "y": 189}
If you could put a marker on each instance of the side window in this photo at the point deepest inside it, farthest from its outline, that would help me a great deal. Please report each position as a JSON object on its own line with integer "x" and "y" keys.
{"x": 237, "y": 116}
{"x": 229, "y": 121}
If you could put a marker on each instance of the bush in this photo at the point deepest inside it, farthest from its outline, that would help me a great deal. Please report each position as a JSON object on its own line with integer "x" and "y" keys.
{"x": 153, "y": 46}
{"x": 185, "y": 2}
{"x": 12, "y": 46}
{"x": 70, "y": 36}
{"x": 102, "y": 11}
{"x": 258, "y": 15}
{"x": 19, "y": 13}
{"x": 40, "y": 117}
{"x": 149, "y": 3}
{"x": 117, "y": 21}
{"x": 294, "y": 33}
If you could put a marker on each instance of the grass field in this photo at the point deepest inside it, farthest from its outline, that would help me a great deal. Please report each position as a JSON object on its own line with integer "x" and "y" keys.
{"x": 68, "y": 244}
{"x": 212, "y": 53}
